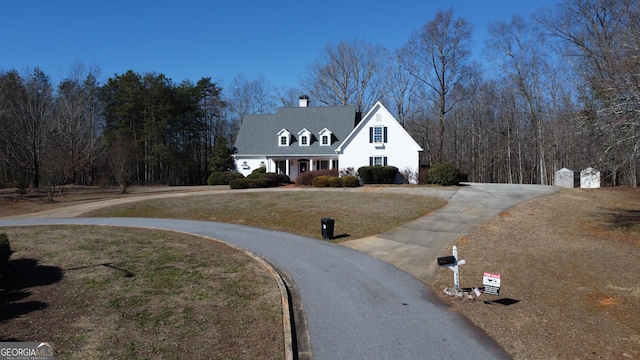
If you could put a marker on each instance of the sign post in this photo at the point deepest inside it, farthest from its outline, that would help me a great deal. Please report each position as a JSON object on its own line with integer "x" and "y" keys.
{"x": 452, "y": 263}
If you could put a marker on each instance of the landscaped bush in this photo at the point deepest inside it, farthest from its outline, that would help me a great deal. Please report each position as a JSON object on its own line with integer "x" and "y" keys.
{"x": 223, "y": 177}
{"x": 378, "y": 174}
{"x": 320, "y": 181}
{"x": 272, "y": 178}
{"x": 335, "y": 181}
{"x": 350, "y": 181}
{"x": 5, "y": 252}
{"x": 260, "y": 178}
{"x": 249, "y": 183}
{"x": 255, "y": 174}
{"x": 283, "y": 179}
{"x": 307, "y": 177}
{"x": 444, "y": 174}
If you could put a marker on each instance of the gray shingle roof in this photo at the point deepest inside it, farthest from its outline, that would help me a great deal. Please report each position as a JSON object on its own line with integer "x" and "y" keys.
{"x": 258, "y": 133}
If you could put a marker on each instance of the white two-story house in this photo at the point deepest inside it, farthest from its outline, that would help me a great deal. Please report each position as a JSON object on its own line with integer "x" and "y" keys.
{"x": 306, "y": 138}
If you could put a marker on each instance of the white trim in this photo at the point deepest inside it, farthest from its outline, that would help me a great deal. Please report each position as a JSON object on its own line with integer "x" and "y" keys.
{"x": 284, "y": 134}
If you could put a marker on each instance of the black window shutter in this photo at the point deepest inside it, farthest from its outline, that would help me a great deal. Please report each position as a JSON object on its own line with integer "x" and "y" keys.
{"x": 385, "y": 135}
{"x": 371, "y": 161}
{"x": 384, "y": 158}
{"x": 370, "y": 134}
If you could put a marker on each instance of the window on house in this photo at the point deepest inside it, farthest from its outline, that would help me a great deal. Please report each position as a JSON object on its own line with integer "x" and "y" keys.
{"x": 323, "y": 164}
{"x": 325, "y": 140}
{"x": 304, "y": 140}
{"x": 378, "y": 161}
{"x": 281, "y": 167}
{"x": 283, "y": 140}
{"x": 378, "y": 134}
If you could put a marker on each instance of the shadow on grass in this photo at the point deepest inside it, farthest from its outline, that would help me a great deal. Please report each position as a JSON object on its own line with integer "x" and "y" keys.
{"x": 622, "y": 219}
{"x": 23, "y": 274}
{"x": 503, "y": 301}
{"x": 125, "y": 272}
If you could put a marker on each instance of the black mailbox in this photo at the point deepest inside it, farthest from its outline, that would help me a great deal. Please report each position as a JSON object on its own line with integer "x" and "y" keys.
{"x": 447, "y": 260}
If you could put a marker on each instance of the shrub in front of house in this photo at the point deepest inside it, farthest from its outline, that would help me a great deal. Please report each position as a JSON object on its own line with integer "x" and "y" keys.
{"x": 255, "y": 174}
{"x": 335, "y": 181}
{"x": 320, "y": 181}
{"x": 223, "y": 177}
{"x": 350, "y": 181}
{"x": 272, "y": 178}
{"x": 378, "y": 174}
{"x": 5, "y": 253}
{"x": 444, "y": 174}
{"x": 247, "y": 183}
{"x": 307, "y": 177}
{"x": 283, "y": 179}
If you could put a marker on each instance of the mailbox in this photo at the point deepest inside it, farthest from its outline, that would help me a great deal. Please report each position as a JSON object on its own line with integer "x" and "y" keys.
{"x": 447, "y": 260}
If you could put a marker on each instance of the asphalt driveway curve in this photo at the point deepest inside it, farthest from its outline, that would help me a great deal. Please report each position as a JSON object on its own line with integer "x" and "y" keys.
{"x": 357, "y": 306}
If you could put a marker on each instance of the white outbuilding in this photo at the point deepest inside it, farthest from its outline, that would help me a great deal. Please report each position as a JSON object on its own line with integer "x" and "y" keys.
{"x": 567, "y": 178}
{"x": 590, "y": 178}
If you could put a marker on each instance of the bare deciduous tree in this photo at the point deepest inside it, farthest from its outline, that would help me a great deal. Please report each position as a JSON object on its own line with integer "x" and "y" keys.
{"x": 438, "y": 55}
{"x": 121, "y": 160}
{"x": 602, "y": 39}
{"x": 348, "y": 73}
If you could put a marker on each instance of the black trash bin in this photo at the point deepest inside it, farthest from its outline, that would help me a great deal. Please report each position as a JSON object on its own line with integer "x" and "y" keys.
{"x": 327, "y": 228}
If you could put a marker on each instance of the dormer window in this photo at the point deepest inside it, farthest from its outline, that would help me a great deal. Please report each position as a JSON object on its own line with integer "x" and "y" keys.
{"x": 325, "y": 137}
{"x": 284, "y": 137}
{"x": 304, "y": 136}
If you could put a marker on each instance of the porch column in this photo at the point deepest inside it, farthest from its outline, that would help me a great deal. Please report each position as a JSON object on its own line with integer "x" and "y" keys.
{"x": 288, "y": 167}
{"x": 311, "y": 164}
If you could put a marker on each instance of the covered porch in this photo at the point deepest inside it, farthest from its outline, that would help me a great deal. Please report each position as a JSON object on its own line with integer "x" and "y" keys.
{"x": 294, "y": 166}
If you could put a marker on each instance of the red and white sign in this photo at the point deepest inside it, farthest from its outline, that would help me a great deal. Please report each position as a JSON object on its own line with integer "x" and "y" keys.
{"x": 491, "y": 283}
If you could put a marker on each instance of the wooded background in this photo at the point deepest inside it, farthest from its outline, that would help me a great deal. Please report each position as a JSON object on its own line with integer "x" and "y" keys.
{"x": 555, "y": 89}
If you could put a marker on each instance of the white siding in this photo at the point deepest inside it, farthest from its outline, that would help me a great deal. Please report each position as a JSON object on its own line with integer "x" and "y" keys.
{"x": 246, "y": 164}
{"x": 400, "y": 149}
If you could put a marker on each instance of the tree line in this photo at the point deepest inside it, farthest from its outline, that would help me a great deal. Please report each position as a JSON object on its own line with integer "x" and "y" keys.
{"x": 558, "y": 88}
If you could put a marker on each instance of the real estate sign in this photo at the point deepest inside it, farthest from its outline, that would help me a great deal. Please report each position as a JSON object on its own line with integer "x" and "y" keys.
{"x": 491, "y": 283}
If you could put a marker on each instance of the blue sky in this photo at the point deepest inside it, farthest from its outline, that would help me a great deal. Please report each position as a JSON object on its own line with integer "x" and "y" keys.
{"x": 189, "y": 39}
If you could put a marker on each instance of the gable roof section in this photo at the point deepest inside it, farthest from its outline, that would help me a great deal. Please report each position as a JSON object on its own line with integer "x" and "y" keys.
{"x": 258, "y": 133}
{"x": 378, "y": 107}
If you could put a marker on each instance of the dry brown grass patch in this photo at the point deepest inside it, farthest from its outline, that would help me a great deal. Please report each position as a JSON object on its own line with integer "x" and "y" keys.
{"x": 572, "y": 268}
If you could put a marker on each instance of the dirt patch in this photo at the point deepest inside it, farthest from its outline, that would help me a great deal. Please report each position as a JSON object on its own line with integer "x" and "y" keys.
{"x": 570, "y": 287}
{"x": 119, "y": 293}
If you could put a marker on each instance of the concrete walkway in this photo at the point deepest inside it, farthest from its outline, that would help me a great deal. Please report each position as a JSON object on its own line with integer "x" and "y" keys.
{"x": 415, "y": 246}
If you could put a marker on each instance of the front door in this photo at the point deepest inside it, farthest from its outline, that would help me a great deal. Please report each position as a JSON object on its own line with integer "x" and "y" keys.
{"x": 303, "y": 167}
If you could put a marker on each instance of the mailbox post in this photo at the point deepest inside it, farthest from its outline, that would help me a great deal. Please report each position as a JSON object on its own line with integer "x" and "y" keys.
{"x": 452, "y": 263}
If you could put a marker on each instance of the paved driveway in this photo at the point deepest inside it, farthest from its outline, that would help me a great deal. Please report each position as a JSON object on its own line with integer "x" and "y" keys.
{"x": 359, "y": 306}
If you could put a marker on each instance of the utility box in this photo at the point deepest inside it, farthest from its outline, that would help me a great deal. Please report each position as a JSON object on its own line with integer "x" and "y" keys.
{"x": 327, "y": 228}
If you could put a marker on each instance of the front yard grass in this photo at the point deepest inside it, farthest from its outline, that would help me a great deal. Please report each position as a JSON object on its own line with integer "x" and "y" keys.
{"x": 124, "y": 293}
{"x": 356, "y": 215}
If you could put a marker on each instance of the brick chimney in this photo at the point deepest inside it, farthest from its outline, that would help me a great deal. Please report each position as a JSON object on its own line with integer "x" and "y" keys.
{"x": 304, "y": 101}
